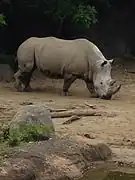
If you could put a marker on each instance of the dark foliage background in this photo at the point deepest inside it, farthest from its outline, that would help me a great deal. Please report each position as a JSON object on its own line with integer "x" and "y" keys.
{"x": 108, "y": 23}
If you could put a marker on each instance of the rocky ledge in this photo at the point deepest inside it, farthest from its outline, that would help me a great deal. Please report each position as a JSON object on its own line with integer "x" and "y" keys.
{"x": 58, "y": 158}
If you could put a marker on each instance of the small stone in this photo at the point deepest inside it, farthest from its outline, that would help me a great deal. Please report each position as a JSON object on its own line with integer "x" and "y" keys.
{"x": 89, "y": 136}
{"x": 26, "y": 103}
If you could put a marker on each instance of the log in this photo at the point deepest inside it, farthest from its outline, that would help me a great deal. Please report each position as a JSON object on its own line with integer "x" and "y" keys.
{"x": 80, "y": 113}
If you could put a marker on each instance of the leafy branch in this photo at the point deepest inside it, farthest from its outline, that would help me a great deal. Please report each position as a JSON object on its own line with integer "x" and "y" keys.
{"x": 2, "y": 20}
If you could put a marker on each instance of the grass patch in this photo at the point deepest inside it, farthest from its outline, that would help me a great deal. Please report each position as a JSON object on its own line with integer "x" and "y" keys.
{"x": 11, "y": 137}
{"x": 26, "y": 133}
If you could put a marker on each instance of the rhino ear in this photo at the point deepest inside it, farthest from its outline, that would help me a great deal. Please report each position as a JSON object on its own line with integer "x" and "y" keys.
{"x": 111, "y": 61}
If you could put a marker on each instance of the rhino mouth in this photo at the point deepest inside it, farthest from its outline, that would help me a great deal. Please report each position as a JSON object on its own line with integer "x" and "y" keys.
{"x": 108, "y": 97}
{"x": 114, "y": 88}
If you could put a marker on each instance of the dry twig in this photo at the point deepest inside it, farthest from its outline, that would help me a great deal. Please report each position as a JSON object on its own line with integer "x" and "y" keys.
{"x": 72, "y": 119}
{"x": 90, "y": 105}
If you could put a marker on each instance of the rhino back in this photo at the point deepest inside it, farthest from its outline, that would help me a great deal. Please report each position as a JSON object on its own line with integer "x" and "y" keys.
{"x": 57, "y": 55}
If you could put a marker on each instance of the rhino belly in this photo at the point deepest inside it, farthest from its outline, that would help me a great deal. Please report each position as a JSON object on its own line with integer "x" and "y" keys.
{"x": 50, "y": 74}
{"x": 50, "y": 66}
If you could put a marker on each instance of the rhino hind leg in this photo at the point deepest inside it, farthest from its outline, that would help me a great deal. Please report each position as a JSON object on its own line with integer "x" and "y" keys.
{"x": 26, "y": 82}
{"x": 68, "y": 80}
{"x": 18, "y": 83}
{"x": 22, "y": 83}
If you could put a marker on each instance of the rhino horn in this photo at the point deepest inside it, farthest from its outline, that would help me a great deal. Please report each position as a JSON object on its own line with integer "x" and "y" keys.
{"x": 117, "y": 88}
{"x": 114, "y": 87}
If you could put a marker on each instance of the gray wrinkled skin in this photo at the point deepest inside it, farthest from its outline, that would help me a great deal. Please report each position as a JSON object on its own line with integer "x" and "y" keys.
{"x": 67, "y": 59}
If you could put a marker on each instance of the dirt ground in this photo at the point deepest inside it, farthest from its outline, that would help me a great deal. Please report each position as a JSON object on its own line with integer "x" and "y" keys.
{"x": 117, "y": 131}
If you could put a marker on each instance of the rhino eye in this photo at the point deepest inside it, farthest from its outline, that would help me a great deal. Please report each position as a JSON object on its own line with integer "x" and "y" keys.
{"x": 104, "y": 63}
{"x": 101, "y": 83}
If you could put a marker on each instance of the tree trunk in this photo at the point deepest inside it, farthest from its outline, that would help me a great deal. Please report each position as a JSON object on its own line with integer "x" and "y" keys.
{"x": 60, "y": 28}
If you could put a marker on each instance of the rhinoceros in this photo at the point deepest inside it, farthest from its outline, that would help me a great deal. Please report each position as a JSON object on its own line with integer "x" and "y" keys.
{"x": 65, "y": 59}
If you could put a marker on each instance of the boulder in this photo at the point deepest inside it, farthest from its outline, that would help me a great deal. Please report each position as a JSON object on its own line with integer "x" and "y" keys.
{"x": 6, "y": 73}
{"x": 60, "y": 158}
{"x": 33, "y": 118}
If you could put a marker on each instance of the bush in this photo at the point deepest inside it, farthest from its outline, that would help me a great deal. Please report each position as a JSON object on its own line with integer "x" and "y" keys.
{"x": 26, "y": 133}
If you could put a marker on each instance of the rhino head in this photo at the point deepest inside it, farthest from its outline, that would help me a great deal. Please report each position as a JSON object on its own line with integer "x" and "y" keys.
{"x": 104, "y": 85}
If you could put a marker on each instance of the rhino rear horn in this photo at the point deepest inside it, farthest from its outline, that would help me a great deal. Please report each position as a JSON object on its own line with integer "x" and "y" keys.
{"x": 112, "y": 82}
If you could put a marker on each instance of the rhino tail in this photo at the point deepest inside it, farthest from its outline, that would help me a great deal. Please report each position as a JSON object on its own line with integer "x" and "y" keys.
{"x": 34, "y": 64}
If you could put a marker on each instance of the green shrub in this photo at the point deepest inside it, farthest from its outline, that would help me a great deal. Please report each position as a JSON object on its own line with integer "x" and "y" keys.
{"x": 25, "y": 133}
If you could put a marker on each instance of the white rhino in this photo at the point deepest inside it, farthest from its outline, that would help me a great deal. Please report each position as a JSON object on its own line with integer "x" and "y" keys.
{"x": 68, "y": 60}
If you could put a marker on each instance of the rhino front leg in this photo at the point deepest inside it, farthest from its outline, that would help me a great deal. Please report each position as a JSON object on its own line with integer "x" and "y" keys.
{"x": 90, "y": 87}
{"x": 68, "y": 80}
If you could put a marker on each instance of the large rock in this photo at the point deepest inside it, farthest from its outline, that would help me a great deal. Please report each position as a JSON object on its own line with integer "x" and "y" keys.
{"x": 9, "y": 59}
{"x": 33, "y": 115}
{"x": 63, "y": 158}
{"x": 6, "y": 73}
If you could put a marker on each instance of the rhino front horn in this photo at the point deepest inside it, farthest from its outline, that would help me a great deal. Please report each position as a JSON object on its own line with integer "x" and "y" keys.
{"x": 115, "y": 87}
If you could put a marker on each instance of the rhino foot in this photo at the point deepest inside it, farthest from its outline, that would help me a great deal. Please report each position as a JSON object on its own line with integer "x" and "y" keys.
{"x": 94, "y": 96}
{"x": 27, "y": 89}
{"x": 17, "y": 87}
{"x": 65, "y": 93}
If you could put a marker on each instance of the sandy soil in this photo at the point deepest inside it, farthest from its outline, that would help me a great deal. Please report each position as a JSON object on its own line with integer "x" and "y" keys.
{"x": 117, "y": 131}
